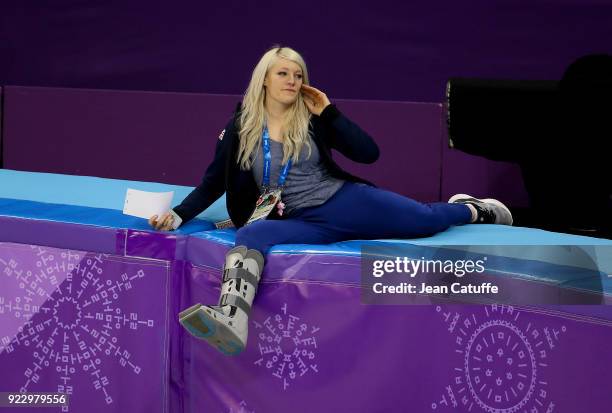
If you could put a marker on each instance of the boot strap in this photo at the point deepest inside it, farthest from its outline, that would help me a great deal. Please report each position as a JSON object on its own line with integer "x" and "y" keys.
{"x": 241, "y": 273}
{"x": 236, "y": 301}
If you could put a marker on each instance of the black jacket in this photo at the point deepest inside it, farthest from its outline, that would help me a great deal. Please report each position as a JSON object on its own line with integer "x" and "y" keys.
{"x": 331, "y": 130}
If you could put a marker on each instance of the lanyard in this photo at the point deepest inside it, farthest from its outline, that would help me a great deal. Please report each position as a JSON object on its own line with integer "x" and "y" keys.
{"x": 268, "y": 162}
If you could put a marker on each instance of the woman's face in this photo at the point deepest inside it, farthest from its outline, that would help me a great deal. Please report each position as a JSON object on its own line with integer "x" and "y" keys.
{"x": 283, "y": 82}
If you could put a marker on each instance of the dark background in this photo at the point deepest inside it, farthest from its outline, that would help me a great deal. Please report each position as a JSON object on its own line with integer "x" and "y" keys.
{"x": 383, "y": 50}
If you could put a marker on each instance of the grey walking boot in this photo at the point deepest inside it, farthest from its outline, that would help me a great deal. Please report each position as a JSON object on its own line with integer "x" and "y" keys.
{"x": 225, "y": 326}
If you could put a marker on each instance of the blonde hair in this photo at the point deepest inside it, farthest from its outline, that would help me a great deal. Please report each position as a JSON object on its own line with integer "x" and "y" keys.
{"x": 252, "y": 117}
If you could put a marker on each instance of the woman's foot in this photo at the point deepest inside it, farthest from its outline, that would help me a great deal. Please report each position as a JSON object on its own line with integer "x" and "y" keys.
{"x": 225, "y": 326}
{"x": 487, "y": 211}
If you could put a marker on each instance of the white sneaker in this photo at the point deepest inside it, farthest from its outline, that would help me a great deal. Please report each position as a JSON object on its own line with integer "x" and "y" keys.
{"x": 489, "y": 211}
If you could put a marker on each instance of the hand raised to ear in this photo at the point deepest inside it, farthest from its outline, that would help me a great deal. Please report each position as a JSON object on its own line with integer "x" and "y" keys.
{"x": 315, "y": 100}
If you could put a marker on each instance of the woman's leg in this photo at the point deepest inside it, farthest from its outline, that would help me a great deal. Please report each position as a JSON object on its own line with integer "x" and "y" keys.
{"x": 262, "y": 235}
{"x": 361, "y": 211}
{"x": 225, "y": 326}
{"x": 356, "y": 211}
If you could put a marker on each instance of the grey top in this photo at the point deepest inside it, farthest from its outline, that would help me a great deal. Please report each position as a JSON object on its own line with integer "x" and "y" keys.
{"x": 308, "y": 183}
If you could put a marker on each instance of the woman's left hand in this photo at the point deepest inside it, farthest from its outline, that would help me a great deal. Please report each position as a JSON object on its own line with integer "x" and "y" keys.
{"x": 315, "y": 100}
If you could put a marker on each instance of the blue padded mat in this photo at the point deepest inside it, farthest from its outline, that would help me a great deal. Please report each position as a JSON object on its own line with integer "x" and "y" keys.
{"x": 99, "y": 201}
{"x": 79, "y": 191}
{"x": 101, "y": 217}
{"x": 69, "y": 198}
{"x": 483, "y": 239}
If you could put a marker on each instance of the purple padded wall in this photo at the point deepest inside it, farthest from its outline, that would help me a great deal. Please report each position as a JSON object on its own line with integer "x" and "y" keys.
{"x": 480, "y": 177}
{"x": 162, "y": 137}
{"x": 170, "y": 137}
{"x": 408, "y": 135}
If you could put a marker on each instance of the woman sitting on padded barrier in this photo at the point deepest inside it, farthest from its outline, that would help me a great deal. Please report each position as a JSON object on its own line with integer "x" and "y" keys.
{"x": 273, "y": 161}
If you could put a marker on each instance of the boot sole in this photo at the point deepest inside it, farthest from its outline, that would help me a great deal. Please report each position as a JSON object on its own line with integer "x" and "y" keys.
{"x": 189, "y": 310}
{"x": 206, "y": 327}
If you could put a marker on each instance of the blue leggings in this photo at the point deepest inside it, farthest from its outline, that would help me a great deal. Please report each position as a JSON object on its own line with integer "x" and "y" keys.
{"x": 356, "y": 211}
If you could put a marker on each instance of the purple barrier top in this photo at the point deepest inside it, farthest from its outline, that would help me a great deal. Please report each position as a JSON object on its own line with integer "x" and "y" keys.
{"x": 89, "y": 127}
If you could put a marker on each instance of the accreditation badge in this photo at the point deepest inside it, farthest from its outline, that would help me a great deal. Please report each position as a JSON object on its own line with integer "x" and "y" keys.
{"x": 265, "y": 204}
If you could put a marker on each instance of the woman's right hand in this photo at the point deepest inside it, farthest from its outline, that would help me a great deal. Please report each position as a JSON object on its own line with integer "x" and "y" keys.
{"x": 314, "y": 99}
{"x": 163, "y": 223}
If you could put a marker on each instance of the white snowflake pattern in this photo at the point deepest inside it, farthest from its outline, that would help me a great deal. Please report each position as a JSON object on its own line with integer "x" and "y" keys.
{"x": 287, "y": 346}
{"x": 76, "y": 328}
{"x": 501, "y": 361}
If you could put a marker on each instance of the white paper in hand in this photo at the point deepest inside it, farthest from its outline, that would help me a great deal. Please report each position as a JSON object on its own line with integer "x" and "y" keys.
{"x": 145, "y": 204}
